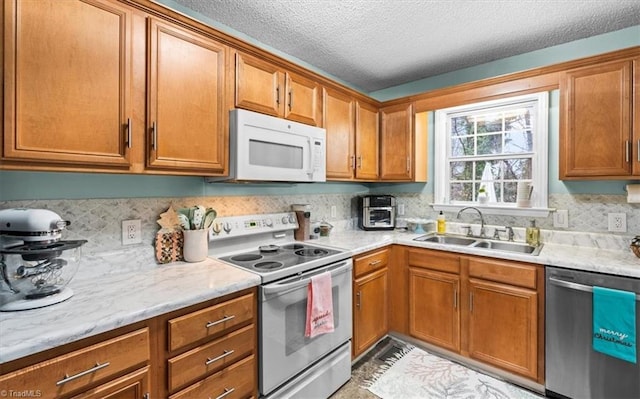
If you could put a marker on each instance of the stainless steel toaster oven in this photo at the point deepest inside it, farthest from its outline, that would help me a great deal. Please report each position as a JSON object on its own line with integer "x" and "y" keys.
{"x": 377, "y": 212}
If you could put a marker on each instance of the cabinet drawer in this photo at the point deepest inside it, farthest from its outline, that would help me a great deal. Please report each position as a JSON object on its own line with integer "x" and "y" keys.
{"x": 435, "y": 260}
{"x": 372, "y": 261}
{"x": 211, "y": 321}
{"x": 235, "y": 382}
{"x": 520, "y": 274}
{"x": 77, "y": 370}
{"x": 213, "y": 356}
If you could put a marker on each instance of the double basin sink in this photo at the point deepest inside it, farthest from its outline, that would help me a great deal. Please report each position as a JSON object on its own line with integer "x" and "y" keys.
{"x": 474, "y": 242}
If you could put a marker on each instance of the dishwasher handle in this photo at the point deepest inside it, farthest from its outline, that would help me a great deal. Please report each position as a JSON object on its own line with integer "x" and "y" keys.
{"x": 575, "y": 286}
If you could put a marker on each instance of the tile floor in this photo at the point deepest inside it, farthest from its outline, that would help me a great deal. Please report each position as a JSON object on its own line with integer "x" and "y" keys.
{"x": 364, "y": 369}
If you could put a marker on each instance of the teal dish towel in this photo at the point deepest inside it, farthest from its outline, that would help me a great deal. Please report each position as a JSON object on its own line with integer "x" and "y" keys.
{"x": 614, "y": 323}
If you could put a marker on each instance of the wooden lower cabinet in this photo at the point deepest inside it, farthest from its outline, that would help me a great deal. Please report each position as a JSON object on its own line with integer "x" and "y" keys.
{"x": 503, "y": 326}
{"x": 370, "y": 290}
{"x": 138, "y": 362}
{"x": 434, "y": 297}
{"x": 486, "y": 309}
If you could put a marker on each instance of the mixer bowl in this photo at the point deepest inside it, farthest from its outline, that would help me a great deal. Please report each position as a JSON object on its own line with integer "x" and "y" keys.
{"x": 36, "y": 274}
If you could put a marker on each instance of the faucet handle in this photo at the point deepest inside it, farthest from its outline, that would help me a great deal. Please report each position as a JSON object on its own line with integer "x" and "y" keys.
{"x": 509, "y": 232}
{"x": 468, "y": 229}
{"x": 496, "y": 233}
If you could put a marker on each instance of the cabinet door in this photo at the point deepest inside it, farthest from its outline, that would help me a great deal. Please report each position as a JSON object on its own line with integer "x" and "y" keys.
{"x": 304, "y": 100}
{"x": 503, "y": 326}
{"x": 259, "y": 86}
{"x": 369, "y": 310}
{"x": 339, "y": 123}
{"x": 131, "y": 386}
{"x": 367, "y": 141}
{"x": 595, "y": 124}
{"x": 67, "y": 82}
{"x": 434, "y": 311}
{"x": 187, "y": 108}
{"x": 636, "y": 118}
{"x": 396, "y": 143}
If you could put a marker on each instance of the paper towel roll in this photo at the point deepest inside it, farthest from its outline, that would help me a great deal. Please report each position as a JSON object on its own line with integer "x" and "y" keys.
{"x": 633, "y": 193}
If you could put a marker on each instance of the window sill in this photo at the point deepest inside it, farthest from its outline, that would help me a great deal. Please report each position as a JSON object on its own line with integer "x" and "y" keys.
{"x": 488, "y": 209}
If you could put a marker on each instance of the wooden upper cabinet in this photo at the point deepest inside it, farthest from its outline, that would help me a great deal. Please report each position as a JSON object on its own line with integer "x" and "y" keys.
{"x": 267, "y": 88}
{"x": 595, "y": 121}
{"x": 339, "y": 122}
{"x": 396, "y": 142}
{"x": 187, "y": 109}
{"x": 367, "y": 141}
{"x": 635, "y": 105}
{"x": 67, "y": 82}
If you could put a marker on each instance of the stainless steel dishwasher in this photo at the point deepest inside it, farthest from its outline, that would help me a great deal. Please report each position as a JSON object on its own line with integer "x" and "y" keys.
{"x": 573, "y": 368}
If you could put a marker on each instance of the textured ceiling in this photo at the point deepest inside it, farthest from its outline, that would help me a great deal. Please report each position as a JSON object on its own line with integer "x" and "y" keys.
{"x": 375, "y": 44}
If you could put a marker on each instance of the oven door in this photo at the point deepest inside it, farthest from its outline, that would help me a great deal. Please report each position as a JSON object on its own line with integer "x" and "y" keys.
{"x": 284, "y": 350}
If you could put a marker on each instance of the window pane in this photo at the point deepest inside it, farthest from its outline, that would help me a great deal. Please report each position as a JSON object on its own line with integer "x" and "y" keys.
{"x": 461, "y": 170}
{"x": 518, "y": 141}
{"x": 518, "y": 119}
{"x": 461, "y": 146}
{"x": 462, "y": 192}
{"x": 489, "y": 123}
{"x": 510, "y": 189}
{"x": 517, "y": 169}
{"x": 490, "y": 144}
{"x": 461, "y": 126}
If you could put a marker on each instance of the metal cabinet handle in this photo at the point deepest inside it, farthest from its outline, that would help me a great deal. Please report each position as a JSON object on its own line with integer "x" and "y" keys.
{"x": 129, "y": 134}
{"x": 290, "y": 99}
{"x": 278, "y": 95}
{"x": 227, "y": 391}
{"x": 408, "y": 164}
{"x": 222, "y": 320}
{"x": 375, "y": 262}
{"x": 627, "y": 147}
{"x": 638, "y": 151}
{"x": 359, "y": 161}
{"x": 353, "y": 159}
{"x": 471, "y": 302}
{"x": 215, "y": 359}
{"x": 358, "y": 302}
{"x": 93, "y": 369}
{"x": 455, "y": 299}
{"x": 154, "y": 137}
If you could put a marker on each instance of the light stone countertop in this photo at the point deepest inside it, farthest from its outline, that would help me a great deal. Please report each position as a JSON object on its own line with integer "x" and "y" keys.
{"x": 116, "y": 289}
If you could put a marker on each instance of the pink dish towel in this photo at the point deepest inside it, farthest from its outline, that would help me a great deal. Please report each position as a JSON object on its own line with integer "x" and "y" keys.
{"x": 319, "y": 306}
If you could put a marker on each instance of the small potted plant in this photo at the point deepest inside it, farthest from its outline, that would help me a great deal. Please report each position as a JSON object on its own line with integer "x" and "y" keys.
{"x": 482, "y": 195}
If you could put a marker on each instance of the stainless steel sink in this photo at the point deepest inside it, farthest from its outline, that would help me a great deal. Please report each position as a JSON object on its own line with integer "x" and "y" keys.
{"x": 447, "y": 240}
{"x": 481, "y": 243}
{"x": 508, "y": 246}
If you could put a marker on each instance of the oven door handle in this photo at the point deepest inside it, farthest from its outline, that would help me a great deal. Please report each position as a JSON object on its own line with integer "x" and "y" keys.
{"x": 576, "y": 286}
{"x": 305, "y": 278}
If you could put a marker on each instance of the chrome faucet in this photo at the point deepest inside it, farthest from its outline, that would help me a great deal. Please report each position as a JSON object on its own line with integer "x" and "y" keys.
{"x": 482, "y": 233}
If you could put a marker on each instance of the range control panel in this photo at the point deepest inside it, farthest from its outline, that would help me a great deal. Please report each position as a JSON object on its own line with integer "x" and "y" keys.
{"x": 238, "y": 226}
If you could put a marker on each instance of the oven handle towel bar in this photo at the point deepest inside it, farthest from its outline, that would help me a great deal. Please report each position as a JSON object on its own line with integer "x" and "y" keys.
{"x": 576, "y": 286}
{"x": 304, "y": 279}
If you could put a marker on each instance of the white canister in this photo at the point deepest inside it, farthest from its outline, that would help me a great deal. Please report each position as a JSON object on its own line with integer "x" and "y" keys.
{"x": 196, "y": 245}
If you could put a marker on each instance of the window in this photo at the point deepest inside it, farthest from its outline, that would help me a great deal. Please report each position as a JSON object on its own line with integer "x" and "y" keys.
{"x": 493, "y": 146}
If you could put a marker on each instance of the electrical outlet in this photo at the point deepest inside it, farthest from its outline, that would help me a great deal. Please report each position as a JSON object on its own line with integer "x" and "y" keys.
{"x": 334, "y": 211}
{"x": 131, "y": 232}
{"x": 561, "y": 218}
{"x": 401, "y": 209}
{"x": 618, "y": 222}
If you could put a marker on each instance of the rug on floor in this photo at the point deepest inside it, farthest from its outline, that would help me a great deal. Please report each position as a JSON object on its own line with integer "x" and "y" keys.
{"x": 413, "y": 373}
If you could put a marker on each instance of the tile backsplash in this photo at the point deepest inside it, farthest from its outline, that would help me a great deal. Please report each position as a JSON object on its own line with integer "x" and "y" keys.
{"x": 100, "y": 220}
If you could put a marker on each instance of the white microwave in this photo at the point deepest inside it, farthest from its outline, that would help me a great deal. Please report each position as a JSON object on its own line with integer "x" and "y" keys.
{"x": 266, "y": 148}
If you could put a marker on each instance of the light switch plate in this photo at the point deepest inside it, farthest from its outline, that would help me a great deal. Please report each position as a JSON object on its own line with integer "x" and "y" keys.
{"x": 561, "y": 218}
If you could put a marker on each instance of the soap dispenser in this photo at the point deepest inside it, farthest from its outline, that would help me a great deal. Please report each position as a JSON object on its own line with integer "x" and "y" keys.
{"x": 533, "y": 234}
{"x": 442, "y": 224}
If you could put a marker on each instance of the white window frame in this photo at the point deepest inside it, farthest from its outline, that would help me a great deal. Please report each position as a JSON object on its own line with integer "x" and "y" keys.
{"x": 540, "y": 164}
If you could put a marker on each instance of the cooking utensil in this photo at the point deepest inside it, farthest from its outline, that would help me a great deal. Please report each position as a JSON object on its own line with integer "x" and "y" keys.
{"x": 198, "y": 216}
{"x": 209, "y": 217}
{"x": 184, "y": 221}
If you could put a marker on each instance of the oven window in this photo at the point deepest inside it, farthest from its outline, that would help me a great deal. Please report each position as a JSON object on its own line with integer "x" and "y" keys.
{"x": 380, "y": 216}
{"x": 295, "y": 318}
{"x": 263, "y": 153}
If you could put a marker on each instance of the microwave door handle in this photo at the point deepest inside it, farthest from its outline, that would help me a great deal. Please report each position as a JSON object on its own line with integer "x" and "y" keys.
{"x": 310, "y": 171}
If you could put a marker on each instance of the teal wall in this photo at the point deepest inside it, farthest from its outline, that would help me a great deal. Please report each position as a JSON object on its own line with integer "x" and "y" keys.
{"x": 16, "y": 185}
